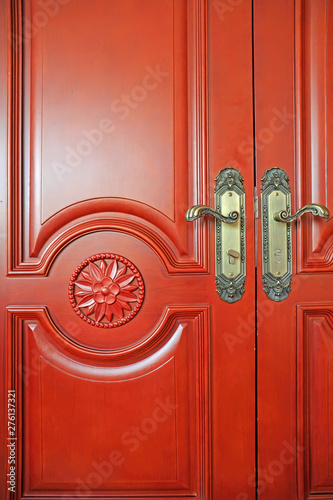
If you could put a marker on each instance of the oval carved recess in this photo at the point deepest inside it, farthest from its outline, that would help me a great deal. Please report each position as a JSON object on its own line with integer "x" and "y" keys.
{"x": 106, "y": 290}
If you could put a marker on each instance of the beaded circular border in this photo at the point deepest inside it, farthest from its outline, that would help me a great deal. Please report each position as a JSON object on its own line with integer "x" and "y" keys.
{"x": 126, "y": 262}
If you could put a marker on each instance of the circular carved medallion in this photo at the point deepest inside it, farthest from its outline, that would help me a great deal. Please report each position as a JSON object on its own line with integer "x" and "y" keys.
{"x": 106, "y": 290}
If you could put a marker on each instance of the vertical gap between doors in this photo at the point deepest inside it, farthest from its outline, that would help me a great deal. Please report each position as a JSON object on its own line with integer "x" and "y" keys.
{"x": 256, "y": 253}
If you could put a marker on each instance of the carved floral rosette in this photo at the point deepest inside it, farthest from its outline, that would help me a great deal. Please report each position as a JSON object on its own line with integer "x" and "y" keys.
{"x": 106, "y": 290}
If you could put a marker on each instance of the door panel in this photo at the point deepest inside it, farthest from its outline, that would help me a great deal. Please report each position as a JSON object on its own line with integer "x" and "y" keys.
{"x": 295, "y": 335}
{"x": 314, "y": 396}
{"x": 61, "y": 394}
{"x": 107, "y": 116}
{"x": 314, "y": 79}
{"x": 113, "y": 84}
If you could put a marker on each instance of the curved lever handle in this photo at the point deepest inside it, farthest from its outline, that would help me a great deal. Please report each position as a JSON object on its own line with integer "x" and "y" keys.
{"x": 198, "y": 211}
{"x": 313, "y": 208}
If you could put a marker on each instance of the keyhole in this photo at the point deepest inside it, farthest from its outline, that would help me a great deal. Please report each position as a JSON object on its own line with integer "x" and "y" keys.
{"x": 278, "y": 255}
{"x": 233, "y": 254}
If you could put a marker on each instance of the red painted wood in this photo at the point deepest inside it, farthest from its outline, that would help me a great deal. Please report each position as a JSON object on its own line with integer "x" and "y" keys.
{"x": 108, "y": 145}
{"x": 233, "y": 347}
{"x": 293, "y": 102}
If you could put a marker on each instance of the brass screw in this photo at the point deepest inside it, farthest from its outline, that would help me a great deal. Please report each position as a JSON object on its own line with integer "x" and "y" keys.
{"x": 231, "y": 274}
{"x": 278, "y": 273}
{"x": 276, "y": 194}
{"x": 229, "y": 194}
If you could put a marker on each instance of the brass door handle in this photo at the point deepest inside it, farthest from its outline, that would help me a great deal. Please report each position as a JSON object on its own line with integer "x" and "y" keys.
{"x": 230, "y": 255}
{"x": 198, "y": 211}
{"x": 277, "y": 255}
{"x": 312, "y": 208}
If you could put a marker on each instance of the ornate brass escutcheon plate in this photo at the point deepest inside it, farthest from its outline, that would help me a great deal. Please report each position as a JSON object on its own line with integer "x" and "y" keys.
{"x": 276, "y": 236}
{"x": 230, "y": 238}
{"x": 229, "y": 214}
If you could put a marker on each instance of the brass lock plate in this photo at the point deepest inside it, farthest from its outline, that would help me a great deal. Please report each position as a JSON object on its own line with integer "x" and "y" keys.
{"x": 230, "y": 238}
{"x": 276, "y": 236}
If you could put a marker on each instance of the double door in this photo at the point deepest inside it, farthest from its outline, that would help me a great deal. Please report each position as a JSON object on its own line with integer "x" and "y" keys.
{"x": 125, "y": 373}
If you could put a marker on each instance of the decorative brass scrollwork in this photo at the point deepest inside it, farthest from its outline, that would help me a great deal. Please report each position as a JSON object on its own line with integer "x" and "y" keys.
{"x": 312, "y": 208}
{"x": 198, "y": 211}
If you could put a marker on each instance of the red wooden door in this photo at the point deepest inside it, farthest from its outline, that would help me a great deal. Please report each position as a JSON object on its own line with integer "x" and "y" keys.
{"x": 293, "y": 60}
{"x": 107, "y": 106}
